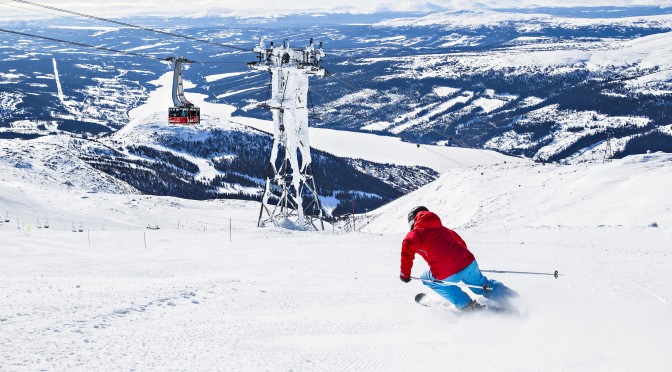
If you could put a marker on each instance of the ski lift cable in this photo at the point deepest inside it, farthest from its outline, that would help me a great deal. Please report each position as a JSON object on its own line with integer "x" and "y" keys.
{"x": 311, "y": 104}
{"x": 82, "y": 45}
{"x": 74, "y": 18}
{"x": 467, "y": 166}
{"x": 341, "y": 49}
{"x": 111, "y": 50}
{"x": 320, "y": 95}
{"x": 445, "y": 157}
{"x": 351, "y": 86}
{"x": 163, "y": 59}
{"x": 125, "y": 24}
{"x": 38, "y": 11}
{"x": 451, "y": 139}
{"x": 150, "y": 30}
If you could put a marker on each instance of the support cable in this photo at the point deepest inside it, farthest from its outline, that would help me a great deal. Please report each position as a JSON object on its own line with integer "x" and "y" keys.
{"x": 125, "y": 24}
{"x": 116, "y": 51}
{"x": 40, "y": 11}
{"x": 111, "y": 50}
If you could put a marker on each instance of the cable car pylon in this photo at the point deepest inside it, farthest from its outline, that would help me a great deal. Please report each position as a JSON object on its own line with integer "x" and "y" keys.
{"x": 290, "y": 197}
{"x": 183, "y": 111}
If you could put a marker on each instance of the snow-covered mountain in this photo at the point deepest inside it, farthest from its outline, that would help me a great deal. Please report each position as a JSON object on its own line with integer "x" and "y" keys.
{"x": 218, "y": 158}
{"x": 629, "y": 192}
{"x": 552, "y": 84}
{"x": 103, "y": 288}
{"x": 547, "y": 87}
{"x": 97, "y": 274}
{"x": 548, "y": 83}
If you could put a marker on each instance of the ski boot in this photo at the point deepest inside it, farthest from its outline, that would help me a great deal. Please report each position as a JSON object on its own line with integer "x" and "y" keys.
{"x": 473, "y": 306}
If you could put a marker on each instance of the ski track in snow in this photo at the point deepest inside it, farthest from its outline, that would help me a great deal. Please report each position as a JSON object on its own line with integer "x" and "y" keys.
{"x": 61, "y": 96}
{"x": 304, "y": 304}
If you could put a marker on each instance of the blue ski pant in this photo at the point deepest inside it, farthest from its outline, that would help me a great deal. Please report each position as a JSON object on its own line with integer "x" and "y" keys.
{"x": 470, "y": 275}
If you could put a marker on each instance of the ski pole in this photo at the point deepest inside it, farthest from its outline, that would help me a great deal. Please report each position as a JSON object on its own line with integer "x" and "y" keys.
{"x": 483, "y": 287}
{"x": 554, "y": 274}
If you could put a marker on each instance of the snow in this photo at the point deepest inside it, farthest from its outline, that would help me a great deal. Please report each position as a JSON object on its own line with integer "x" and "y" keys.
{"x": 217, "y": 77}
{"x": 445, "y": 91}
{"x": 666, "y": 129}
{"x": 627, "y": 192}
{"x": 465, "y": 16}
{"x": 489, "y": 104}
{"x": 119, "y": 294}
{"x": 379, "y": 125}
{"x": 531, "y": 101}
{"x": 647, "y": 51}
{"x": 435, "y": 111}
{"x": 234, "y": 92}
{"x": 95, "y": 28}
{"x": 264, "y": 9}
{"x": 149, "y": 118}
{"x": 10, "y": 100}
{"x": 209, "y": 290}
{"x": 572, "y": 127}
{"x": 10, "y": 77}
{"x": 149, "y": 46}
{"x": 61, "y": 96}
{"x": 459, "y": 40}
{"x": 392, "y": 150}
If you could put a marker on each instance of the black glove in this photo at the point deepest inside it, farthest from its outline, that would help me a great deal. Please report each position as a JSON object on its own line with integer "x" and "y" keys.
{"x": 404, "y": 279}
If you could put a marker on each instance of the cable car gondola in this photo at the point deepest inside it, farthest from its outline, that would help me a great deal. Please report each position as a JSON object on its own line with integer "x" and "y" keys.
{"x": 184, "y": 115}
{"x": 183, "y": 111}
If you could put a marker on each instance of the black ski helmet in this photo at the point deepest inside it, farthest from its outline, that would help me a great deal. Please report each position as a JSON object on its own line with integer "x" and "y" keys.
{"x": 413, "y": 213}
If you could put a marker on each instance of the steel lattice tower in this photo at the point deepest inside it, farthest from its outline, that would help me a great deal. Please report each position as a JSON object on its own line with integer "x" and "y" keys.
{"x": 290, "y": 197}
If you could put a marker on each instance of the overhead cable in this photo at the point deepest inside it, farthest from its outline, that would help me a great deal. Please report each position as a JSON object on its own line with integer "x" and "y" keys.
{"x": 125, "y": 24}
{"x": 82, "y": 44}
{"x": 116, "y": 51}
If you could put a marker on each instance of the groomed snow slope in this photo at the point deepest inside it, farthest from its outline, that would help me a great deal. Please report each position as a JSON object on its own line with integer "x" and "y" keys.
{"x": 118, "y": 296}
{"x": 631, "y": 192}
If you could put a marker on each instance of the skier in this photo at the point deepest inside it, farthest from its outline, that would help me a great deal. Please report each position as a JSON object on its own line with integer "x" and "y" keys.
{"x": 449, "y": 261}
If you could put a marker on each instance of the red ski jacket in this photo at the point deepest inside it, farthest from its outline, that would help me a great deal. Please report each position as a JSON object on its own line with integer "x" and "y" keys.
{"x": 444, "y": 250}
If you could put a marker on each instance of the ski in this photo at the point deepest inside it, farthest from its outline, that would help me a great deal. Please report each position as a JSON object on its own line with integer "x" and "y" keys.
{"x": 423, "y": 299}
{"x": 429, "y": 301}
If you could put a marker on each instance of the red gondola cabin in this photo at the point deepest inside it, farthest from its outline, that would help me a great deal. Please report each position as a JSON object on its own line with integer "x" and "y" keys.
{"x": 184, "y": 115}
{"x": 183, "y": 111}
